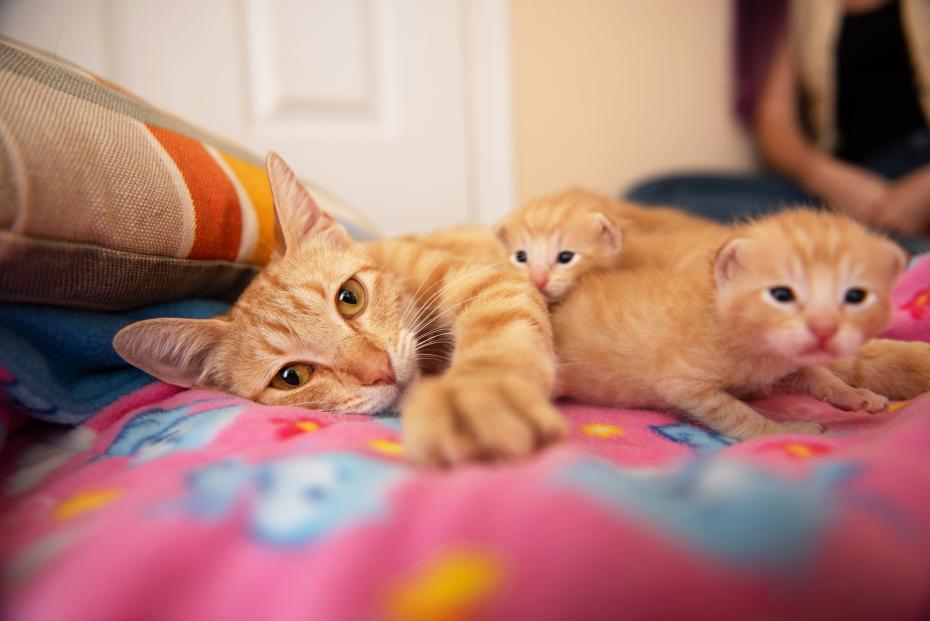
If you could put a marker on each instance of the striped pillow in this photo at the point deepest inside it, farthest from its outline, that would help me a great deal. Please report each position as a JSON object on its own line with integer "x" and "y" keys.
{"x": 107, "y": 203}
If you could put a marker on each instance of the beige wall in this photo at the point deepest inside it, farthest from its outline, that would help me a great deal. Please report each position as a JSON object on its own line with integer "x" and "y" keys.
{"x": 609, "y": 91}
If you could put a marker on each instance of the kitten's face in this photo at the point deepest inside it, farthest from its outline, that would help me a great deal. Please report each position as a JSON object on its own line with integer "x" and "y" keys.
{"x": 810, "y": 287}
{"x": 321, "y": 326}
{"x": 559, "y": 237}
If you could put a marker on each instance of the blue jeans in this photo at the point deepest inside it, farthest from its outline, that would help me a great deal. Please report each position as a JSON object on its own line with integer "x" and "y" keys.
{"x": 726, "y": 197}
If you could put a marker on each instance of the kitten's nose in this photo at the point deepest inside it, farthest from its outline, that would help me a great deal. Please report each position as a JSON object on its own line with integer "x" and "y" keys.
{"x": 540, "y": 279}
{"x": 377, "y": 372}
{"x": 823, "y": 331}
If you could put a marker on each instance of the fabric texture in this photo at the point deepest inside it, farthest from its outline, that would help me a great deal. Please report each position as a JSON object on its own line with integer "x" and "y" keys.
{"x": 877, "y": 97}
{"x": 108, "y": 203}
{"x": 815, "y": 29}
{"x": 63, "y": 361}
{"x": 194, "y": 505}
{"x": 175, "y": 504}
{"x": 729, "y": 197}
{"x": 758, "y": 24}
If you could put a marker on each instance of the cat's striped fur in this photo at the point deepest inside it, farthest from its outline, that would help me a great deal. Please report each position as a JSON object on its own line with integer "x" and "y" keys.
{"x": 483, "y": 332}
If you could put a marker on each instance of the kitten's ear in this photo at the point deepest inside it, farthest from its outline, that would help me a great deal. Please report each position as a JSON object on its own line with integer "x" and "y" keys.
{"x": 727, "y": 261}
{"x": 898, "y": 259}
{"x": 173, "y": 350}
{"x": 500, "y": 231}
{"x": 297, "y": 216}
{"x": 611, "y": 231}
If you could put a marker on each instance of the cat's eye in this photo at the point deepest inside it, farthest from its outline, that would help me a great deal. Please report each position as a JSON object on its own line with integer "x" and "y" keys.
{"x": 351, "y": 298}
{"x": 782, "y": 294}
{"x": 566, "y": 256}
{"x": 855, "y": 295}
{"x": 520, "y": 256}
{"x": 292, "y": 376}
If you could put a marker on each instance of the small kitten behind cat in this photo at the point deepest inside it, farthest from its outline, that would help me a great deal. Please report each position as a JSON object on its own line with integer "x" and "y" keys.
{"x": 764, "y": 313}
{"x": 559, "y": 237}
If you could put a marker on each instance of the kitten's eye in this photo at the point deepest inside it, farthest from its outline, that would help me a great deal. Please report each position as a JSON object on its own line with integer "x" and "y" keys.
{"x": 854, "y": 295}
{"x": 520, "y": 256}
{"x": 782, "y": 294}
{"x": 565, "y": 256}
{"x": 292, "y": 376}
{"x": 351, "y": 298}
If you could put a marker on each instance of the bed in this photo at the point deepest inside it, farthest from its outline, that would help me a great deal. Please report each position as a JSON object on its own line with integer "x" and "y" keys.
{"x": 124, "y": 498}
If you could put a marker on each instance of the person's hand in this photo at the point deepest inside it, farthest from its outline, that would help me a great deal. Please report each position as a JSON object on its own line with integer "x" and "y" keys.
{"x": 848, "y": 188}
{"x": 905, "y": 208}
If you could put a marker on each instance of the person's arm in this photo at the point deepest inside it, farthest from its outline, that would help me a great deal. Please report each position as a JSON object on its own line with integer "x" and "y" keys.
{"x": 777, "y": 130}
{"x": 906, "y": 206}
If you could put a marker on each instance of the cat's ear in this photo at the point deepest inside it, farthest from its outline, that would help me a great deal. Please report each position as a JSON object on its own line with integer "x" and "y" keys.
{"x": 500, "y": 231}
{"x": 727, "y": 261}
{"x": 173, "y": 350}
{"x": 297, "y": 216}
{"x": 897, "y": 259}
{"x": 610, "y": 231}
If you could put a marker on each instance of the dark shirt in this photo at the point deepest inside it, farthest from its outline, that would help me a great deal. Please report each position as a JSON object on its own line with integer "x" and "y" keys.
{"x": 877, "y": 101}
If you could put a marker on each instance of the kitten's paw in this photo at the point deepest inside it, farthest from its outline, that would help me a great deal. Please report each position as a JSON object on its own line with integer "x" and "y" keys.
{"x": 806, "y": 427}
{"x": 771, "y": 428}
{"x": 899, "y": 370}
{"x": 856, "y": 399}
{"x": 454, "y": 419}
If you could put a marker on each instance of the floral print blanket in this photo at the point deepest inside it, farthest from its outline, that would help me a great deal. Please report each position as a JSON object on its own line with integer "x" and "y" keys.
{"x": 164, "y": 503}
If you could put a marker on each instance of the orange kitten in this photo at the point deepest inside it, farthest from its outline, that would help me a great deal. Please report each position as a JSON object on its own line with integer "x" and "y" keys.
{"x": 765, "y": 311}
{"x": 335, "y": 325}
{"x": 472, "y": 242}
{"x": 559, "y": 237}
{"x": 898, "y": 370}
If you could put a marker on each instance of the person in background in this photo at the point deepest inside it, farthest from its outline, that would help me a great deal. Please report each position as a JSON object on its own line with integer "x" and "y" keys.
{"x": 837, "y": 96}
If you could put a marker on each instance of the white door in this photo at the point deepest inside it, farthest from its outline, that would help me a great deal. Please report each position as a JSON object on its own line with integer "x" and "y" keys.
{"x": 399, "y": 107}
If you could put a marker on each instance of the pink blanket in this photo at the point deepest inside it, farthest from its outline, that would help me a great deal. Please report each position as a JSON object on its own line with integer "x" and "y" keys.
{"x": 172, "y": 504}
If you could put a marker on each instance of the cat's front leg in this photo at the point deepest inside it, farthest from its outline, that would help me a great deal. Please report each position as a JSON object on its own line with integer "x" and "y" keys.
{"x": 896, "y": 369}
{"x": 824, "y": 385}
{"x": 457, "y": 418}
{"x": 724, "y": 413}
{"x": 494, "y": 399}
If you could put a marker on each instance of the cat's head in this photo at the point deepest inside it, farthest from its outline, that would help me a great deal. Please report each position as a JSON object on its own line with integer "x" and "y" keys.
{"x": 558, "y": 237}
{"x": 321, "y": 326}
{"x": 807, "y": 285}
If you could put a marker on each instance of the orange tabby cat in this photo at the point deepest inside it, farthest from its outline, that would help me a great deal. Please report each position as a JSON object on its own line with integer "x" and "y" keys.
{"x": 335, "y": 325}
{"x": 764, "y": 313}
{"x": 472, "y": 242}
{"x": 559, "y": 237}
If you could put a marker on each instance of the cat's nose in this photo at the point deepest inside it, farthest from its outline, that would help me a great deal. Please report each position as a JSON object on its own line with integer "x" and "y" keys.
{"x": 823, "y": 332}
{"x": 377, "y": 373}
{"x": 540, "y": 279}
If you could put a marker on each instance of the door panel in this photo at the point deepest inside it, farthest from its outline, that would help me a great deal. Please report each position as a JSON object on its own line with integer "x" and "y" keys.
{"x": 400, "y": 107}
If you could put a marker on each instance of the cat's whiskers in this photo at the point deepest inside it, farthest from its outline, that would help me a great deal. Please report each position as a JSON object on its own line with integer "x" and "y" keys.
{"x": 425, "y": 305}
{"x": 273, "y": 251}
{"x": 439, "y": 338}
{"x": 440, "y": 330}
{"x": 431, "y": 343}
{"x": 440, "y": 258}
{"x": 454, "y": 306}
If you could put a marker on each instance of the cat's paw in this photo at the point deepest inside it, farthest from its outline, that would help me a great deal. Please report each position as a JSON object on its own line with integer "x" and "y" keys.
{"x": 453, "y": 419}
{"x": 900, "y": 370}
{"x": 806, "y": 427}
{"x": 856, "y": 399}
{"x": 770, "y": 428}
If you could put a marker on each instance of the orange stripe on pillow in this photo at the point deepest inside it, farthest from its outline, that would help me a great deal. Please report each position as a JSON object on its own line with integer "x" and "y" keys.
{"x": 255, "y": 181}
{"x": 217, "y": 215}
